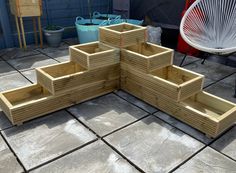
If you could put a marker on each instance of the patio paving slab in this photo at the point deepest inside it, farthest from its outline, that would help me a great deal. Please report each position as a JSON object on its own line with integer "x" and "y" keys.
{"x": 12, "y": 81}
{"x": 208, "y": 161}
{"x": 4, "y": 122}
{"x": 31, "y": 62}
{"x": 94, "y": 158}
{"x": 136, "y": 101}
{"x": 6, "y": 69}
{"x": 184, "y": 127}
{"x": 179, "y": 56}
{"x": 60, "y": 55}
{"x": 13, "y": 53}
{"x": 107, "y": 113}
{"x": 222, "y": 90}
{"x": 46, "y": 138}
{"x": 154, "y": 145}
{"x": 227, "y": 143}
{"x": 71, "y": 41}
{"x": 8, "y": 162}
{"x": 46, "y": 49}
{"x": 31, "y": 75}
{"x": 211, "y": 70}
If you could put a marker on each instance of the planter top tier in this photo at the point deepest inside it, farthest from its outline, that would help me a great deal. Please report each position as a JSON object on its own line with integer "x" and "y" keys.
{"x": 94, "y": 55}
{"x": 123, "y": 35}
{"x": 147, "y": 57}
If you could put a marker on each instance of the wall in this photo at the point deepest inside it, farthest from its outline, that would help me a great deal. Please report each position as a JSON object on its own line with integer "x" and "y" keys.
{"x": 59, "y": 12}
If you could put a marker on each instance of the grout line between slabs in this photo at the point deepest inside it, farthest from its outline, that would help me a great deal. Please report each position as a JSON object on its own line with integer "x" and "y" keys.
{"x": 13, "y": 152}
{"x": 124, "y": 157}
{"x": 63, "y": 155}
{"x": 206, "y": 145}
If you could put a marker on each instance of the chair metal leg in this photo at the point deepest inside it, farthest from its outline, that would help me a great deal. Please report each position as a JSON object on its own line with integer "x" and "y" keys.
{"x": 235, "y": 89}
{"x": 183, "y": 60}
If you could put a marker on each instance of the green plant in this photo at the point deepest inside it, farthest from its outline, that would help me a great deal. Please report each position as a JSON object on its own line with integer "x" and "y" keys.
{"x": 52, "y": 27}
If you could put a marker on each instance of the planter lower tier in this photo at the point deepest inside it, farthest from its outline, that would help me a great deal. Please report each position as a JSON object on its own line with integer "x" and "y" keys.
{"x": 33, "y": 101}
{"x": 174, "y": 82}
{"x": 66, "y": 76}
{"x": 203, "y": 111}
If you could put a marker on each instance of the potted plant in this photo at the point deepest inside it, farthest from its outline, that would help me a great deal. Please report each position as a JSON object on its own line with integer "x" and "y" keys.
{"x": 53, "y": 35}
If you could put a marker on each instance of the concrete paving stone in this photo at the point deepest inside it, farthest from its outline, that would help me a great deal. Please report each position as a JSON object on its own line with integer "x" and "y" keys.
{"x": 6, "y": 69}
{"x": 60, "y": 55}
{"x": 71, "y": 41}
{"x": 211, "y": 70}
{"x": 136, "y": 101}
{"x": 94, "y": 158}
{"x": 12, "y": 81}
{"x": 154, "y": 145}
{"x": 107, "y": 113}
{"x": 179, "y": 56}
{"x": 207, "y": 82}
{"x": 222, "y": 90}
{"x": 184, "y": 127}
{"x": 31, "y": 62}
{"x": 31, "y": 75}
{"x": 46, "y": 49}
{"x": 46, "y": 138}
{"x": 12, "y": 53}
{"x": 231, "y": 80}
{"x": 8, "y": 162}
{"x": 208, "y": 161}
{"x": 4, "y": 122}
{"x": 227, "y": 143}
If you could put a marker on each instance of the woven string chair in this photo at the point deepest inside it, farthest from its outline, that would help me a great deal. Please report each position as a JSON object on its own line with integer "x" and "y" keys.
{"x": 210, "y": 26}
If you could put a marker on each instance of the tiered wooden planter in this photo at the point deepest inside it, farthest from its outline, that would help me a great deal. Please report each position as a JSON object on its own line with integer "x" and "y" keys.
{"x": 145, "y": 70}
{"x": 122, "y": 35}
{"x": 94, "y": 55}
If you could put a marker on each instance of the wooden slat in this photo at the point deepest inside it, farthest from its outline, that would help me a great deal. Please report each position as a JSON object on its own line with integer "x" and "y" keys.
{"x": 57, "y": 80}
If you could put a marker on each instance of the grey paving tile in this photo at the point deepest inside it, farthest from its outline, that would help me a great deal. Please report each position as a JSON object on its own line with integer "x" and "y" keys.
{"x": 136, "y": 101}
{"x": 8, "y": 162}
{"x": 6, "y": 69}
{"x": 31, "y": 75}
{"x": 60, "y": 55}
{"x": 48, "y": 49}
{"x": 31, "y": 62}
{"x": 71, "y": 41}
{"x": 179, "y": 56}
{"x": 230, "y": 80}
{"x": 227, "y": 143}
{"x": 207, "y": 82}
{"x": 208, "y": 161}
{"x": 211, "y": 70}
{"x": 46, "y": 138}
{"x": 4, "y": 122}
{"x": 94, "y": 158}
{"x": 222, "y": 90}
{"x": 154, "y": 145}
{"x": 184, "y": 127}
{"x": 107, "y": 113}
{"x": 13, "y": 53}
{"x": 12, "y": 81}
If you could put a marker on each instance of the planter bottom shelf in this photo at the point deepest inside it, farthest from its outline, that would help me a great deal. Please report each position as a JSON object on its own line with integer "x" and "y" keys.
{"x": 33, "y": 101}
{"x": 203, "y": 111}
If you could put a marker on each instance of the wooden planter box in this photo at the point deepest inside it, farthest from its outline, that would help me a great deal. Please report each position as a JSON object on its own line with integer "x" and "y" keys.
{"x": 203, "y": 111}
{"x": 29, "y": 102}
{"x": 69, "y": 75}
{"x": 171, "y": 81}
{"x": 147, "y": 57}
{"x": 94, "y": 55}
{"x": 26, "y": 8}
{"x": 122, "y": 35}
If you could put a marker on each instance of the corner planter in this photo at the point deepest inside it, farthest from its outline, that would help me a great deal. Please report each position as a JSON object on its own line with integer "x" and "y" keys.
{"x": 53, "y": 36}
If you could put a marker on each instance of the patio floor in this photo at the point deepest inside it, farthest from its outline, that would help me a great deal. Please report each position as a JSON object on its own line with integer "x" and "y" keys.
{"x": 114, "y": 133}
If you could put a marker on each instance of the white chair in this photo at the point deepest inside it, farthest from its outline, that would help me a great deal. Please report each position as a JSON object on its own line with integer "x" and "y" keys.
{"x": 210, "y": 26}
